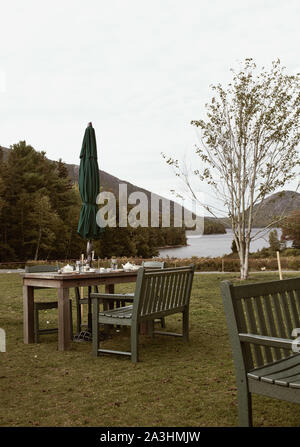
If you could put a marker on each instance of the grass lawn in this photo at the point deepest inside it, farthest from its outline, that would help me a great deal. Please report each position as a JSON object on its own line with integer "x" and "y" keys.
{"x": 174, "y": 384}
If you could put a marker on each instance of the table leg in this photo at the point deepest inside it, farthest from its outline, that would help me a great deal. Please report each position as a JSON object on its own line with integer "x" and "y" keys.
{"x": 144, "y": 328}
{"x": 28, "y": 314}
{"x": 63, "y": 320}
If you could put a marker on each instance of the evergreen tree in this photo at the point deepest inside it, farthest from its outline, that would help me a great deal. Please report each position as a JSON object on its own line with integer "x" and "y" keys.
{"x": 27, "y": 176}
{"x": 291, "y": 229}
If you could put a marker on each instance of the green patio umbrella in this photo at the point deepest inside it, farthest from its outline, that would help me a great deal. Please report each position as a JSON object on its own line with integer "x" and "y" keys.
{"x": 89, "y": 189}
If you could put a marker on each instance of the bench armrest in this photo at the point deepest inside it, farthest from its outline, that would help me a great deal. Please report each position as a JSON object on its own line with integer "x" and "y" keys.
{"x": 112, "y": 296}
{"x": 264, "y": 340}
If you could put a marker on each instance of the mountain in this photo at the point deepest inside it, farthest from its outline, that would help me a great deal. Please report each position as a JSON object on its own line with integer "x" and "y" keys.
{"x": 276, "y": 205}
{"x": 111, "y": 183}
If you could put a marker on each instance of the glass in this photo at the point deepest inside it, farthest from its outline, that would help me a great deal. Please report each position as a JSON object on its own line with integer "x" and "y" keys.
{"x": 114, "y": 263}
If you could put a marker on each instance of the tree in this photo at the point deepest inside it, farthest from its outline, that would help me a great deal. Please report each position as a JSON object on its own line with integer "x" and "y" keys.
{"x": 291, "y": 229}
{"x": 274, "y": 241}
{"x": 234, "y": 247}
{"x": 248, "y": 145}
{"x": 37, "y": 204}
{"x": 44, "y": 225}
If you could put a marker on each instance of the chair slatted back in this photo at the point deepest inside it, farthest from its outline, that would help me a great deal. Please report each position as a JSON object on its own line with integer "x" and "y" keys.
{"x": 153, "y": 264}
{"x": 269, "y": 308}
{"x": 162, "y": 289}
{"x": 40, "y": 268}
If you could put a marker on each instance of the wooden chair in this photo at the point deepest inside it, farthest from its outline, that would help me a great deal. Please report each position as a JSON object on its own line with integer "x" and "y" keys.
{"x": 128, "y": 297}
{"x": 158, "y": 293}
{"x": 261, "y": 318}
{"x": 81, "y": 301}
{"x": 155, "y": 265}
{"x": 38, "y": 306}
{"x": 122, "y": 299}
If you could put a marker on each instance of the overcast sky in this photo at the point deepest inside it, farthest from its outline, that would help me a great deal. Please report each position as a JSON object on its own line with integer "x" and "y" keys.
{"x": 139, "y": 70}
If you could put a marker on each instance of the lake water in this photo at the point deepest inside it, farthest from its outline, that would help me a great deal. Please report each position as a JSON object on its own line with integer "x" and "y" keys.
{"x": 214, "y": 245}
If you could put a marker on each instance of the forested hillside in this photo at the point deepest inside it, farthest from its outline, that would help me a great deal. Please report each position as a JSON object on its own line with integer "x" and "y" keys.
{"x": 39, "y": 210}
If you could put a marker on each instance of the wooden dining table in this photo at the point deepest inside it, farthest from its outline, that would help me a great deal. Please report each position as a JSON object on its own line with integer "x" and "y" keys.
{"x": 63, "y": 282}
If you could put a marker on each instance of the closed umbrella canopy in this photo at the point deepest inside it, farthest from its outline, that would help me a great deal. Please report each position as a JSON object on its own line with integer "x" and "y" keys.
{"x": 89, "y": 189}
{"x": 89, "y": 186}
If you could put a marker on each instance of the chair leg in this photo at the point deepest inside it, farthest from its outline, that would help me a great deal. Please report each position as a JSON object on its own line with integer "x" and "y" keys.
{"x": 134, "y": 339}
{"x": 244, "y": 407}
{"x": 163, "y": 323}
{"x": 185, "y": 325}
{"x": 95, "y": 329}
{"x": 151, "y": 328}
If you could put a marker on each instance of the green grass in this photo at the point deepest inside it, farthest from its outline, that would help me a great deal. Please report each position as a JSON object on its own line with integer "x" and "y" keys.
{"x": 174, "y": 384}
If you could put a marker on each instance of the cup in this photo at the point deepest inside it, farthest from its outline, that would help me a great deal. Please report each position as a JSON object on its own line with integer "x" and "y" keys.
{"x": 114, "y": 263}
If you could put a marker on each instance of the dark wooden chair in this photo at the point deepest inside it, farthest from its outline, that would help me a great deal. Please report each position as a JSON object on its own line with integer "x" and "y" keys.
{"x": 45, "y": 305}
{"x": 123, "y": 299}
{"x": 155, "y": 265}
{"x": 158, "y": 293}
{"x": 261, "y": 318}
{"x": 82, "y": 301}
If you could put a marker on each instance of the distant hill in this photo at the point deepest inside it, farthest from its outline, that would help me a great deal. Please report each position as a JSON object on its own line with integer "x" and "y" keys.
{"x": 111, "y": 183}
{"x": 276, "y": 205}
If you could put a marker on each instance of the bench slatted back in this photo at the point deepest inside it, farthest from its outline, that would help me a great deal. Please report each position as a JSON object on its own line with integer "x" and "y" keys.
{"x": 153, "y": 264}
{"x": 162, "y": 289}
{"x": 269, "y": 308}
{"x": 40, "y": 268}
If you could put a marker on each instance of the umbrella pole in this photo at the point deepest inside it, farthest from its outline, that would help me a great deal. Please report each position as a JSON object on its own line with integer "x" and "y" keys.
{"x": 82, "y": 290}
{"x": 89, "y": 249}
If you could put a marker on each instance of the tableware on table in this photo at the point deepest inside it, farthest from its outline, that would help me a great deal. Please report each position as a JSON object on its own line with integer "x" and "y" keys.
{"x": 78, "y": 265}
{"x": 67, "y": 269}
{"x": 114, "y": 263}
{"x": 102, "y": 270}
{"x": 128, "y": 267}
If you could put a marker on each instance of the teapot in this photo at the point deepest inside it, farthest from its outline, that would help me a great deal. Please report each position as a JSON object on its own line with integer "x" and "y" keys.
{"x": 127, "y": 266}
{"x": 67, "y": 268}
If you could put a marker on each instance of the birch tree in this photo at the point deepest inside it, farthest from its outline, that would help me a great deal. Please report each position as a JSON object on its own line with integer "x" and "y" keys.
{"x": 248, "y": 145}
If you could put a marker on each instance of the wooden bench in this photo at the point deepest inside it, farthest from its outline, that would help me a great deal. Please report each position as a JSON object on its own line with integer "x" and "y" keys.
{"x": 158, "y": 293}
{"x": 261, "y": 320}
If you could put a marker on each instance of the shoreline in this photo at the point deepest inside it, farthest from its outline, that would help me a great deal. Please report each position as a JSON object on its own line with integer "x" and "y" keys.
{"x": 171, "y": 246}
